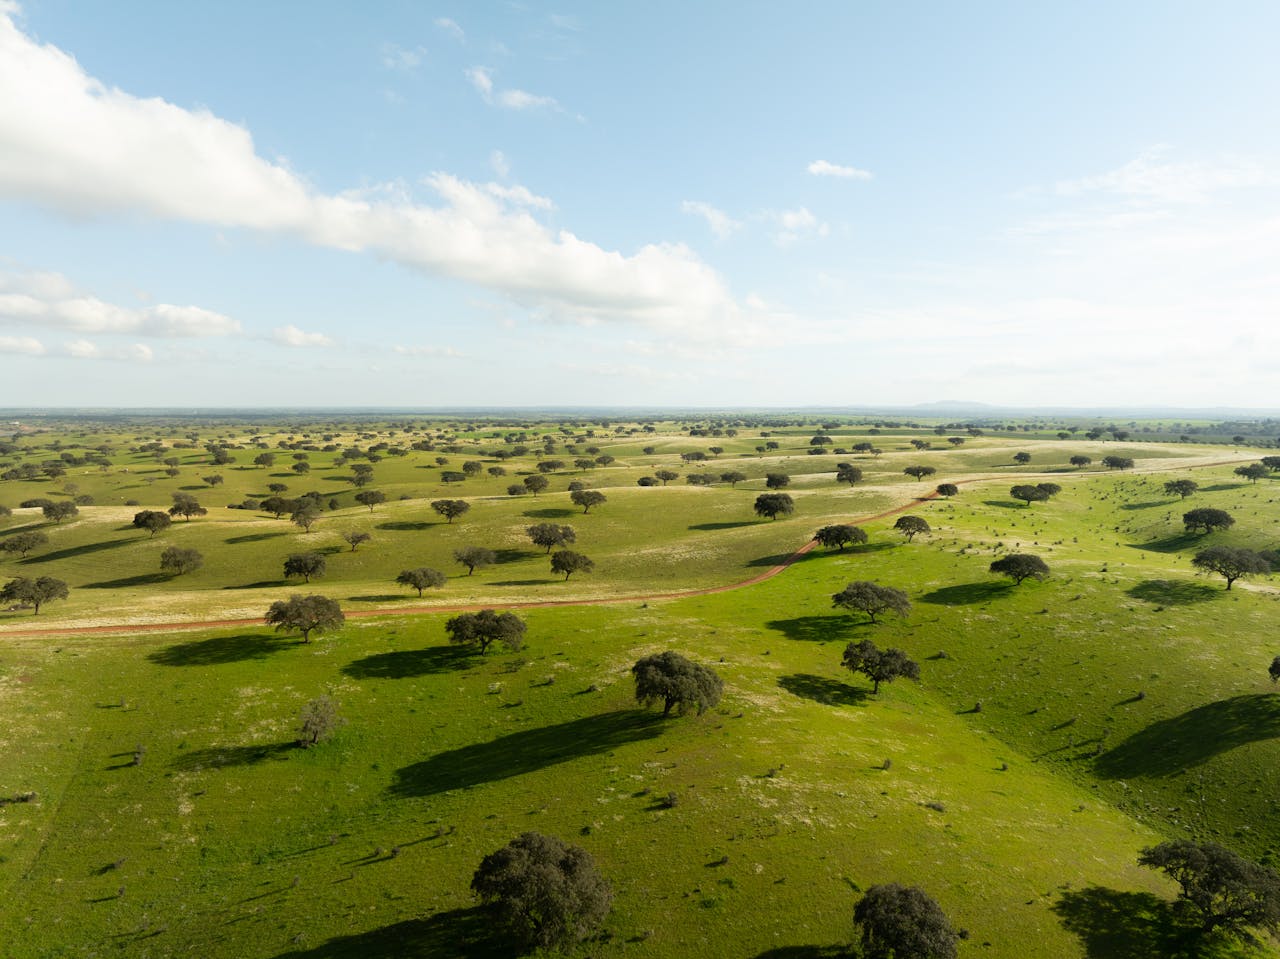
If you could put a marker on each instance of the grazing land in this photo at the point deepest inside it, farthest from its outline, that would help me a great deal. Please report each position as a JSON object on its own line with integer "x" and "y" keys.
{"x": 156, "y": 803}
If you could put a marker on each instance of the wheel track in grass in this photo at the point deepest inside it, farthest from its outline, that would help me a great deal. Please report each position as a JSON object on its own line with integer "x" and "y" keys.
{"x": 770, "y": 573}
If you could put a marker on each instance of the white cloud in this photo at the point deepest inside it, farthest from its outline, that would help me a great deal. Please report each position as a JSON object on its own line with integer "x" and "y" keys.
{"x": 24, "y": 345}
{"x": 292, "y": 336}
{"x": 824, "y": 168}
{"x": 501, "y": 166}
{"x": 451, "y": 27}
{"x": 520, "y": 196}
{"x": 398, "y": 58}
{"x": 722, "y": 225}
{"x": 1150, "y": 178}
{"x": 85, "y": 350}
{"x": 795, "y": 224}
{"x": 69, "y": 142}
{"x": 49, "y": 300}
{"x": 482, "y": 79}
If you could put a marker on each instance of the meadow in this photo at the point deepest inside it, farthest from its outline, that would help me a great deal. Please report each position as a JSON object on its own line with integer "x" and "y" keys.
{"x": 1058, "y": 726}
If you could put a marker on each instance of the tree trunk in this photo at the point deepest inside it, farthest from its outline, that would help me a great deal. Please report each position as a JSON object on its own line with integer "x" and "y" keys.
{"x": 666, "y": 711}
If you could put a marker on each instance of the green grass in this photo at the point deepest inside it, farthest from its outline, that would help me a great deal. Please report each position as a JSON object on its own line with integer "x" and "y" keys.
{"x": 1025, "y": 770}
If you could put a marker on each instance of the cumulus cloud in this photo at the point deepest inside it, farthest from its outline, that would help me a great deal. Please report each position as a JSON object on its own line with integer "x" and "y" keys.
{"x": 86, "y": 350}
{"x": 825, "y": 168}
{"x": 796, "y": 224}
{"x": 50, "y": 301}
{"x": 519, "y": 196}
{"x": 70, "y": 142}
{"x": 290, "y": 335}
{"x": 22, "y": 345}
{"x": 721, "y": 224}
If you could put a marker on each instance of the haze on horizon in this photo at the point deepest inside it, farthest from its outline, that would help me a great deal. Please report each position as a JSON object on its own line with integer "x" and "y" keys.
{"x": 642, "y": 205}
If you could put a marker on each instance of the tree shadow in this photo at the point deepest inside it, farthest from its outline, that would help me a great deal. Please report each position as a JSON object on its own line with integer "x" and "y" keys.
{"x": 1169, "y": 544}
{"x": 806, "y": 952}
{"x": 1171, "y": 746}
{"x": 404, "y": 663}
{"x": 220, "y": 756}
{"x": 261, "y": 584}
{"x": 1172, "y": 592}
{"x": 777, "y": 559}
{"x": 1150, "y": 504}
{"x": 716, "y": 526}
{"x": 404, "y": 526}
{"x": 966, "y": 594}
{"x": 816, "y": 629}
{"x": 457, "y": 934}
{"x": 524, "y": 582}
{"x": 1222, "y": 487}
{"x": 501, "y": 556}
{"x": 551, "y": 512}
{"x": 382, "y": 597}
{"x": 524, "y": 752}
{"x": 1133, "y": 925}
{"x": 77, "y": 551}
{"x": 253, "y": 537}
{"x": 829, "y": 692}
{"x": 142, "y": 579}
{"x": 1005, "y": 504}
{"x": 219, "y": 650}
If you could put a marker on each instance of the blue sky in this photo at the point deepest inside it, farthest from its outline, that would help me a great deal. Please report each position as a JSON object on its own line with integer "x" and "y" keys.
{"x": 639, "y": 204}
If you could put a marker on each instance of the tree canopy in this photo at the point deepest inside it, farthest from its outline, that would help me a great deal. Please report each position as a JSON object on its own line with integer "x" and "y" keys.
{"x": 1028, "y": 494}
{"x": 777, "y": 480}
{"x": 879, "y": 665}
{"x": 305, "y": 614}
{"x": 774, "y": 505}
{"x": 306, "y": 565}
{"x": 900, "y": 922}
{"x": 34, "y": 592}
{"x": 910, "y": 526}
{"x": 919, "y": 472}
{"x": 536, "y": 483}
{"x": 420, "y": 578}
{"x": 152, "y": 520}
{"x": 1020, "y": 566}
{"x": 676, "y": 682}
{"x": 24, "y": 542}
{"x": 1117, "y": 462}
{"x": 370, "y": 498}
{"x": 550, "y": 534}
{"x": 178, "y": 560}
{"x": 473, "y": 556}
{"x": 848, "y": 473}
{"x": 60, "y": 510}
{"x": 948, "y": 489}
{"x": 485, "y": 628}
{"x": 1181, "y": 488}
{"x": 568, "y": 562}
{"x": 1207, "y": 519}
{"x": 186, "y": 506}
{"x": 1230, "y": 562}
{"x": 840, "y": 535}
{"x": 872, "y": 599}
{"x": 587, "y": 498}
{"x": 1226, "y": 891}
{"x": 450, "y": 509}
{"x": 545, "y": 892}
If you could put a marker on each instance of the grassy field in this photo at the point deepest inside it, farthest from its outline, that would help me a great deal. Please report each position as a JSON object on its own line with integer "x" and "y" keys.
{"x": 1058, "y": 727}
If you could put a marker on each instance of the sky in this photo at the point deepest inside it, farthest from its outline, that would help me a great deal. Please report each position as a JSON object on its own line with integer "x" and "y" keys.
{"x": 721, "y": 204}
